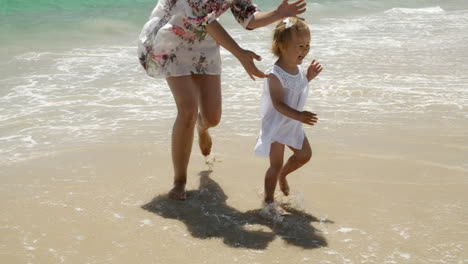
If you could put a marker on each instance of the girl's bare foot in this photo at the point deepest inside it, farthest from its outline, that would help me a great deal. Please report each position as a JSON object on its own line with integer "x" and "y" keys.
{"x": 178, "y": 192}
{"x": 283, "y": 184}
{"x": 204, "y": 141}
{"x": 273, "y": 209}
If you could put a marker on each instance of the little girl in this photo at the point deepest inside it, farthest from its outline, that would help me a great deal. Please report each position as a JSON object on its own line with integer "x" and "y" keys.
{"x": 282, "y": 102}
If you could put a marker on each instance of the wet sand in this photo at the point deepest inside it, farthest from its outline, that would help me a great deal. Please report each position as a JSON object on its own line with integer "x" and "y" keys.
{"x": 108, "y": 204}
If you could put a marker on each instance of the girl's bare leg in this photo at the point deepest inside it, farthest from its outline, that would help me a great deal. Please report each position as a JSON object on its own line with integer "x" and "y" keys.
{"x": 297, "y": 160}
{"x": 185, "y": 94}
{"x": 271, "y": 176}
{"x": 210, "y": 108}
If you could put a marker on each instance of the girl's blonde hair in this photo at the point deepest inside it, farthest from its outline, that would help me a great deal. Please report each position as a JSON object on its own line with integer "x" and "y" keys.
{"x": 284, "y": 30}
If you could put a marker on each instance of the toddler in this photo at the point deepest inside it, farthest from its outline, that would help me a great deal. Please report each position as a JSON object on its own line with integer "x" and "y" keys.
{"x": 282, "y": 102}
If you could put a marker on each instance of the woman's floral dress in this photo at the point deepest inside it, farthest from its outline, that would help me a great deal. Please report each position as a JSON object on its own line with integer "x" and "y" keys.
{"x": 174, "y": 41}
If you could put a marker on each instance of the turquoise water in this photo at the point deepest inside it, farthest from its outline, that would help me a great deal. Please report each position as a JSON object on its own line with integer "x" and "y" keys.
{"x": 41, "y": 14}
{"x": 39, "y": 21}
{"x": 108, "y": 21}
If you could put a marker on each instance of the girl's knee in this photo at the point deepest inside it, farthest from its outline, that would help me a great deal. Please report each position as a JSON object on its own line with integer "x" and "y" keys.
{"x": 276, "y": 167}
{"x": 272, "y": 174}
{"x": 303, "y": 156}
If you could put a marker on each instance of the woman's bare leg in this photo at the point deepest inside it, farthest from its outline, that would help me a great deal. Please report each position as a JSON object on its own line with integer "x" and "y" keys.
{"x": 185, "y": 94}
{"x": 297, "y": 160}
{"x": 271, "y": 176}
{"x": 210, "y": 108}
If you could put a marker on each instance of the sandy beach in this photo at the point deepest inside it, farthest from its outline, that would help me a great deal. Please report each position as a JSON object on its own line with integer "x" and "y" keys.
{"x": 85, "y": 161}
{"x": 108, "y": 204}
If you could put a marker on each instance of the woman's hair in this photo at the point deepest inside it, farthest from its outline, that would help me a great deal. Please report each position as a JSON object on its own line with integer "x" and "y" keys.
{"x": 284, "y": 30}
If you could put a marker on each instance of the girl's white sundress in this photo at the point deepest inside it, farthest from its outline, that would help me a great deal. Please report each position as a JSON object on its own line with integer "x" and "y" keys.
{"x": 276, "y": 126}
{"x": 174, "y": 41}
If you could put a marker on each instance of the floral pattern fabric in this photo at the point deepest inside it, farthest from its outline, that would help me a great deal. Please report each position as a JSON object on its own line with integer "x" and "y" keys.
{"x": 174, "y": 42}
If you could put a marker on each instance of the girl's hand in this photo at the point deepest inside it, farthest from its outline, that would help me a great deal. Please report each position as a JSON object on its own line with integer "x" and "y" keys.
{"x": 286, "y": 9}
{"x": 308, "y": 118}
{"x": 314, "y": 69}
{"x": 246, "y": 58}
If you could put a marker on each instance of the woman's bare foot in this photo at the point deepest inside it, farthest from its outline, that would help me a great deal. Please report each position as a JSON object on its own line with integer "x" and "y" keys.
{"x": 178, "y": 192}
{"x": 283, "y": 184}
{"x": 204, "y": 141}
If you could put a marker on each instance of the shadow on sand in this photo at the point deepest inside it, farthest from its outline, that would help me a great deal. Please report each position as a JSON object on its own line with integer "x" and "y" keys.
{"x": 207, "y": 215}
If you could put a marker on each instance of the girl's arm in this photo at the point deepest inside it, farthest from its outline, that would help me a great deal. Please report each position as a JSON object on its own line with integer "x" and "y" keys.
{"x": 285, "y": 9}
{"x": 245, "y": 57}
{"x": 276, "y": 94}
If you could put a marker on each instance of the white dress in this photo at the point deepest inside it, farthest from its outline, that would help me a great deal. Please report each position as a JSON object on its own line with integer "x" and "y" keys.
{"x": 276, "y": 126}
{"x": 174, "y": 42}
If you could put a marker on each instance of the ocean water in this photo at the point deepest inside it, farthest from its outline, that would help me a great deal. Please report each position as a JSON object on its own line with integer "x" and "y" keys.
{"x": 69, "y": 75}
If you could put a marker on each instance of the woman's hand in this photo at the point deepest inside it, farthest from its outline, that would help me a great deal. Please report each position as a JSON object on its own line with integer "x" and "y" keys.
{"x": 314, "y": 69}
{"x": 286, "y": 9}
{"x": 308, "y": 118}
{"x": 246, "y": 58}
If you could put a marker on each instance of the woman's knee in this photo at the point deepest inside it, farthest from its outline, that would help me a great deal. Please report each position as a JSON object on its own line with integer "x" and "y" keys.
{"x": 188, "y": 116}
{"x": 211, "y": 119}
{"x": 209, "y": 99}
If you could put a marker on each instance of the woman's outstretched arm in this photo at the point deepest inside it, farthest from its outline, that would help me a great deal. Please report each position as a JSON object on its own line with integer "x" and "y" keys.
{"x": 245, "y": 57}
{"x": 285, "y": 9}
